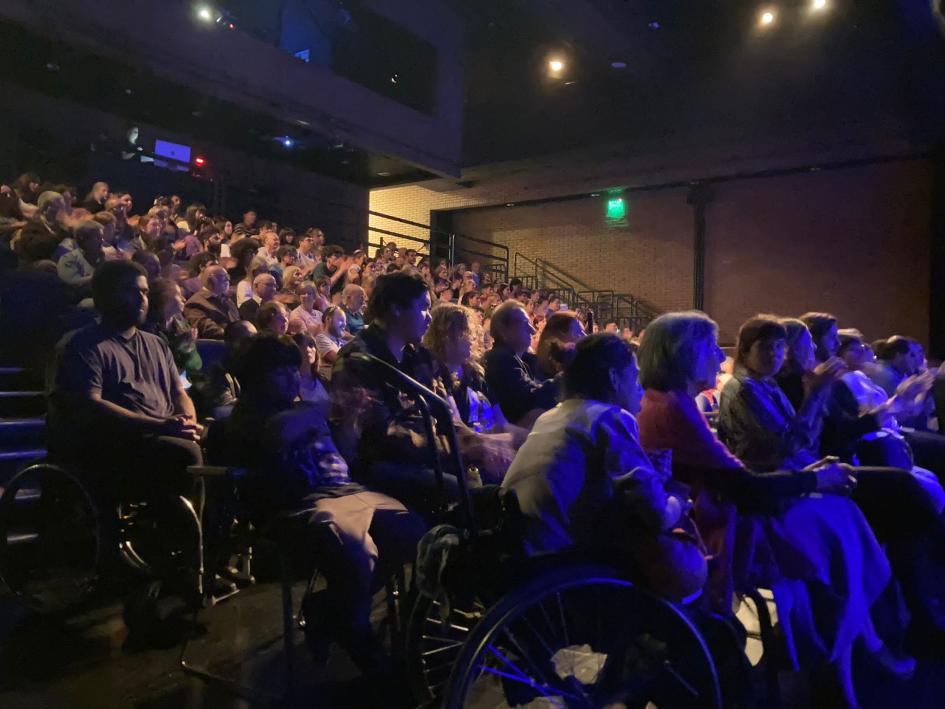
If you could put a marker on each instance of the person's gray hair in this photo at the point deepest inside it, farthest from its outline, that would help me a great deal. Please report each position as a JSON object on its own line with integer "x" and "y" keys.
{"x": 667, "y": 353}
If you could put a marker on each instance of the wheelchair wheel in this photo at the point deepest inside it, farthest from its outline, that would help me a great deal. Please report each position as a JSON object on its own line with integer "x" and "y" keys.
{"x": 159, "y": 537}
{"x": 51, "y": 545}
{"x": 582, "y": 637}
{"x": 433, "y": 642}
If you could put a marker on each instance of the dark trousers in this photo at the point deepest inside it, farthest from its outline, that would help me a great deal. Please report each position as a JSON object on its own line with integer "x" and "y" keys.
{"x": 928, "y": 450}
{"x": 904, "y": 519}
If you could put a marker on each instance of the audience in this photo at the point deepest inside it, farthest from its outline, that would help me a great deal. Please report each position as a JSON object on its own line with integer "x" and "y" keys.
{"x": 770, "y": 508}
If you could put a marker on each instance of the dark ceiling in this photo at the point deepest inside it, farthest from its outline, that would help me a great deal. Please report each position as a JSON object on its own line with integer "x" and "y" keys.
{"x": 55, "y": 69}
{"x": 696, "y": 71}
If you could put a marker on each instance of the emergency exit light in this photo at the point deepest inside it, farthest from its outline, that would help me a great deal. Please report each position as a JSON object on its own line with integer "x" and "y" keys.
{"x": 616, "y": 208}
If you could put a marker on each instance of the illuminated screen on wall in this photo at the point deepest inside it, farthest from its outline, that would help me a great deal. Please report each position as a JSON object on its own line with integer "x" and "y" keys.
{"x": 173, "y": 151}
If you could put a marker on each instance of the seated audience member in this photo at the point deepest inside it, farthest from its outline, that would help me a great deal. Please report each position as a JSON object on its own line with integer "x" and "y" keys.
{"x": 196, "y": 266}
{"x": 96, "y": 198}
{"x": 333, "y": 266}
{"x": 270, "y": 246}
{"x": 288, "y": 293}
{"x": 555, "y": 344}
{"x": 166, "y": 320}
{"x": 246, "y": 269}
{"x": 77, "y": 266}
{"x": 210, "y": 309}
{"x": 453, "y": 342}
{"x": 220, "y": 387}
{"x": 286, "y": 256}
{"x": 311, "y": 388}
{"x": 306, "y": 313}
{"x": 330, "y": 340}
{"x": 799, "y": 359}
{"x": 244, "y": 289}
{"x": 109, "y": 250}
{"x": 352, "y": 303}
{"x": 360, "y": 536}
{"x": 149, "y": 262}
{"x": 379, "y": 428}
{"x": 582, "y": 468}
{"x": 799, "y": 545}
{"x": 861, "y": 422}
{"x": 272, "y": 317}
{"x": 264, "y": 290}
{"x": 306, "y": 255}
{"x": 514, "y": 383}
{"x": 120, "y": 389}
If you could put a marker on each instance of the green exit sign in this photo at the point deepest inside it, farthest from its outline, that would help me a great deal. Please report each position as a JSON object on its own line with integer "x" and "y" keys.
{"x": 616, "y": 209}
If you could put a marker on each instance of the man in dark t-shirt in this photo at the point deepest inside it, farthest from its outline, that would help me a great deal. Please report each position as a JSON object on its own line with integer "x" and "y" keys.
{"x": 118, "y": 402}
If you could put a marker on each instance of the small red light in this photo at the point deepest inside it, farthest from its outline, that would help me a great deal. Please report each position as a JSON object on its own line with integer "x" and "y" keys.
{"x": 200, "y": 161}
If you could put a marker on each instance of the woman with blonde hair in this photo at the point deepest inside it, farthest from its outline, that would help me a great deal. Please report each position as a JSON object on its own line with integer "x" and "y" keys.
{"x": 454, "y": 340}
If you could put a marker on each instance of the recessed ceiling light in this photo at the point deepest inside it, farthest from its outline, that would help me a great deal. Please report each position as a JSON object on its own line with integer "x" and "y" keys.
{"x": 767, "y": 18}
{"x": 654, "y": 25}
{"x": 619, "y": 65}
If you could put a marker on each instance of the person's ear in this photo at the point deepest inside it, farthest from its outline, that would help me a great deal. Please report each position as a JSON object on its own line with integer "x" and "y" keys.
{"x": 614, "y": 379}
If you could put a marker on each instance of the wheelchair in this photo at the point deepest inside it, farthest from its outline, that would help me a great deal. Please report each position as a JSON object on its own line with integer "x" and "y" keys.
{"x": 495, "y": 628}
{"x": 61, "y": 538}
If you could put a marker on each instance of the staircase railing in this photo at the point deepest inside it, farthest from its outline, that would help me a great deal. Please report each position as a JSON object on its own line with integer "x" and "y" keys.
{"x": 624, "y": 309}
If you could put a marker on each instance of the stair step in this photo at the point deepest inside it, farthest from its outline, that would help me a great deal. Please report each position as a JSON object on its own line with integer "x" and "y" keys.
{"x": 29, "y": 454}
{"x": 22, "y": 433}
{"x": 22, "y": 404}
{"x": 20, "y": 379}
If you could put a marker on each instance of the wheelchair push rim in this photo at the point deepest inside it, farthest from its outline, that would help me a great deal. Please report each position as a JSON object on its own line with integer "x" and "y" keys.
{"x": 51, "y": 545}
{"x": 583, "y": 637}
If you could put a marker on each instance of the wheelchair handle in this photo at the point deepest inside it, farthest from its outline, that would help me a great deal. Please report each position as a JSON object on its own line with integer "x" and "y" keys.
{"x": 428, "y": 399}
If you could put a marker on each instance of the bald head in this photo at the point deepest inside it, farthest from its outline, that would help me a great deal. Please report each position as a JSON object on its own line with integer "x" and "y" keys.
{"x": 264, "y": 287}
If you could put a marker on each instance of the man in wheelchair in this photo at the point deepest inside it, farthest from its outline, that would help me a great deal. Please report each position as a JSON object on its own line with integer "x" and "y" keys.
{"x": 118, "y": 406}
{"x": 296, "y": 474}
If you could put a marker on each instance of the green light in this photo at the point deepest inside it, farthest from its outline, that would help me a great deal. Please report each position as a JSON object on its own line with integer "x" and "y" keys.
{"x": 616, "y": 208}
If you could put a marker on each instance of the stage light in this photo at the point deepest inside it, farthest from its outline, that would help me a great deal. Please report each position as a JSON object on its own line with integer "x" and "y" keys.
{"x": 767, "y": 18}
{"x": 555, "y": 66}
{"x": 286, "y": 141}
{"x": 818, "y": 5}
{"x": 205, "y": 13}
{"x": 200, "y": 161}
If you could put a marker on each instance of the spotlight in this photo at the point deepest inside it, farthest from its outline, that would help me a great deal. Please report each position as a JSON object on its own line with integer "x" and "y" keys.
{"x": 818, "y": 5}
{"x": 205, "y": 13}
{"x": 286, "y": 141}
{"x": 767, "y": 18}
{"x": 555, "y": 65}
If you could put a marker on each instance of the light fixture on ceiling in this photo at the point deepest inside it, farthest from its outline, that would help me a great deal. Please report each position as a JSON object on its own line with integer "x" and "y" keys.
{"x": 286, "y": 141}
{"x": 818, "y": 5}
{"x": 383, "y": 174}
{"x": 767, "y": 18}
{"x": 618, "y": 65}
{"x": 556, "y": 67}
{"x": 205, "y": 13}
{"x": 654, "y": 25}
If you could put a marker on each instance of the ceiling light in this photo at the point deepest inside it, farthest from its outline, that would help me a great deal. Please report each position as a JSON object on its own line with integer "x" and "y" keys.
{"x": 286, "y": 141}
{"x": 817, "y": 5}
{"x": 555, "y": 65}
{"x": 654, "y": 25}
{"x": 383, "y": 174}
{"x": 619, "y": 65}
{"x": 767, "y": 18}
{"x": 200, "y": 161}
{"x": 205, "y": 13}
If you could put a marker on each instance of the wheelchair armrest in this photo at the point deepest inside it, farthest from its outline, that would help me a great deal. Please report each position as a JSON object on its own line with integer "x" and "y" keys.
{"x": 212, "y": 471}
